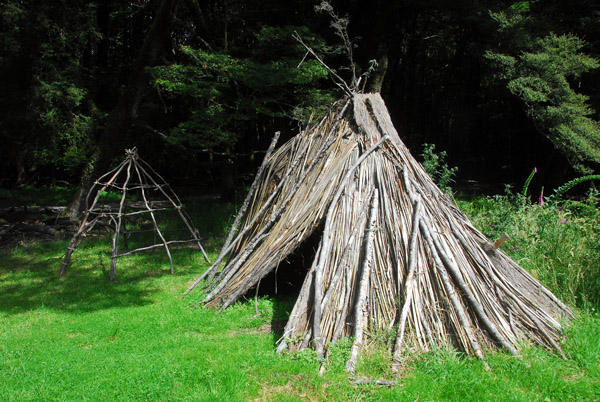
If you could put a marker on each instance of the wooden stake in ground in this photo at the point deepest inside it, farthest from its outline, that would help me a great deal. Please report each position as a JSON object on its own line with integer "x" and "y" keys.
{"x": 141, "y": 179}
{"x": 416, "y": 264}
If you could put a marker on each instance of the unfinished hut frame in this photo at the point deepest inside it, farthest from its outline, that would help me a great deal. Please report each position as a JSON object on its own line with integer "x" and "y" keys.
{"x": 132, "y": 175}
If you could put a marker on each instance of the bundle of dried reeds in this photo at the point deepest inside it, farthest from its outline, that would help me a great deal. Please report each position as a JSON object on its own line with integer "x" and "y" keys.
{"x": 394, "y": 251}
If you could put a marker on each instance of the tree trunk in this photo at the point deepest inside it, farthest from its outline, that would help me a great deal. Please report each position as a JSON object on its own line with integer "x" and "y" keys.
{"x": 376, "y": 81}
{"x": 124, "y": 114}
{"x": 21, "y": 174}
{"x": 114, "y": 137}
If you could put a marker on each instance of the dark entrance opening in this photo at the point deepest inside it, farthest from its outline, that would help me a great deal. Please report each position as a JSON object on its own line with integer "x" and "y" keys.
{"x": 283, "y": 284}
{"x": 286, "y": 279}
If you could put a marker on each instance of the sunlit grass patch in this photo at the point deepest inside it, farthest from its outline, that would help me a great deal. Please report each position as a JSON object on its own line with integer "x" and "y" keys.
{"x": 81, "y": 337}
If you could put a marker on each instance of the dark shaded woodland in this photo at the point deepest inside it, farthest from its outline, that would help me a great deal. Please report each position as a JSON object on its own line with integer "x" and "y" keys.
{"x": 201, "y": 86}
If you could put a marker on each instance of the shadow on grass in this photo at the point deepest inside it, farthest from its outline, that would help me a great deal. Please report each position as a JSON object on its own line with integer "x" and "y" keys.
{"x": 283, "y": 297}
{"x": 37, "y": 285}
{"x": 282, "y": 307}
{"x": 29, "y": 279}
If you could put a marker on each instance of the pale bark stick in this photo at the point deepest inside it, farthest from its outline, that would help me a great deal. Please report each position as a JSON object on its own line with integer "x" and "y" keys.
{"x": 470, "y": 298}
{"x": 149, "y": 209}
{"x": 115, "y": 251}
{"x": 293, "y": 163}
{"x": 210, "y": 273}
{"x": 363, "y": 292}
{"x": 525, "y": 310}
{"x": 499, "y": 282}
{"x": 458, "y": 308}
{"x": 177, "y": 205}
{"x": 83, "y": 226}
{"x": 264, "y": 231}
{"x": 545, "y": 334}
{"x": 146, "y": 248}
{"x": 300, "y": 308}
{"x": 235, "y": 264}
{"x": 305, "y": 340}
{"x": 76, "y": 240}
{"x": 212, "y": 270}
{"x": 116, "y": 171}
{"x": 349, "y": 243}
{"x": 255, "y": 183}
{"x": 340, "y": 323}
{"x": 342, "y": 84}
{"x": 408, "y": 285}
{"x": 242, "y": 258}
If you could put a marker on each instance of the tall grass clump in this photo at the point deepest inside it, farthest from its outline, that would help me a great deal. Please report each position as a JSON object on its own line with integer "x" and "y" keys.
{"x": 555, "y": 239}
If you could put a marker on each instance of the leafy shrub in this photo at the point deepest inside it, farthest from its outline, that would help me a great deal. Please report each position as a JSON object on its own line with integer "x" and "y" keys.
{"x": 436, "y": 167}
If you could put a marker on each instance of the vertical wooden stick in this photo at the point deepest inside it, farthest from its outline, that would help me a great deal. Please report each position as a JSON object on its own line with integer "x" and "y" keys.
{"x": 300, "y": 307}
{"x": 454, "y": 299}
{"x": 408, "y": 285}
{"x": 115, "y": 250}
{"x": 361, "y": 309}
{"x": 276, "y": 214}
{"x": 323, "y": 257}
{"x": 330, "y": 139}
{"x": 176, "y": 204}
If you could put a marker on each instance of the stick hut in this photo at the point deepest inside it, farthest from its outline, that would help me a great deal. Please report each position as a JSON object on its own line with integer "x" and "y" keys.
{"x": 132, "y": 177}
{"x": 394, "y": 252}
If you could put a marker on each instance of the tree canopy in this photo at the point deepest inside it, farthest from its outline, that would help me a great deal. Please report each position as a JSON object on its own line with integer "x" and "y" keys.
{"x": 501, "y": 86}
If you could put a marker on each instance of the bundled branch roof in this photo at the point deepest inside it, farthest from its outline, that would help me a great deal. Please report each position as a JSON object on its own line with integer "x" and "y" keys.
{"x": 394, "y": 251}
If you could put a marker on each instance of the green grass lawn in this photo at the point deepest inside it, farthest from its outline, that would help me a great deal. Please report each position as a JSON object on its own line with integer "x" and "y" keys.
{"x": 82, "y": 338}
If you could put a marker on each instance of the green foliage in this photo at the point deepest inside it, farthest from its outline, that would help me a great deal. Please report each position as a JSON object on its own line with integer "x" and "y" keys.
{"x": 230, "y": 75}
{"x": 436, "y": 167}
{"x": 110, "y": 196}
{"x": 31, "y": 196}
{"x": 539, "y": 71}
{"x": 49, "y": 118}
{"x": 557, "y": 242}
{"x": 562, "y": 190}
{"x": 232, "y": 89}
{"x": 59, "y": 109}
{"x": 522, "y": 6}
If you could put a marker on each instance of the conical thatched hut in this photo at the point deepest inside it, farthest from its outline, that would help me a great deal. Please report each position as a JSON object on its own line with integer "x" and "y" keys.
{"x": 394, "y": 252}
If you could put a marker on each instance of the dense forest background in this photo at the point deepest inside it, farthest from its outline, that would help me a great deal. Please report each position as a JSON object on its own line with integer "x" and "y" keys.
{"x": 200, "y": 86}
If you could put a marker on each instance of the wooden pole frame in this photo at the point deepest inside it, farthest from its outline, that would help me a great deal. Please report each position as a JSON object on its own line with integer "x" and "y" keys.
{"x": 147, "y": 179}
